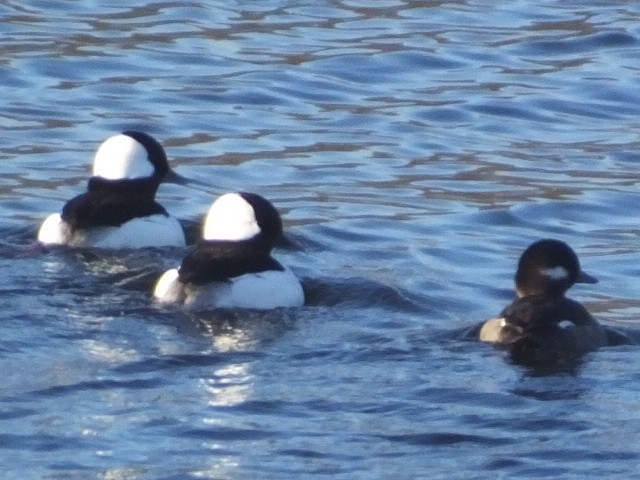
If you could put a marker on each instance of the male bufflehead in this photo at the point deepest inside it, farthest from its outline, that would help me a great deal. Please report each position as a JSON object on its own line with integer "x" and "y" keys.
{"x": 118, "y": 210}
{"x": 542, "y": 322}
{"x": 232, "y": 266}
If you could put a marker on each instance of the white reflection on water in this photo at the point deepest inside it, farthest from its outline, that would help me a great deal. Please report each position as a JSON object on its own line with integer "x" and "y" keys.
{"x": 114, "y": 355}
{"x": 223, "y": 467}
{"x": 231, "y": 339}
{"x": 229, "y": 386}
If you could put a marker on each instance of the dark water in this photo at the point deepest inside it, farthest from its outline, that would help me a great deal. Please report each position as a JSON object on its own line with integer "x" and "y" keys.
{"x": 414, "y": 150}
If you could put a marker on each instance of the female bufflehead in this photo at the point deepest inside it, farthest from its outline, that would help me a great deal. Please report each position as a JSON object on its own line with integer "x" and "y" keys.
{"x": 119, "y": 210}
{"x": 542, "y": 322}
{"x": 232, "y": 266}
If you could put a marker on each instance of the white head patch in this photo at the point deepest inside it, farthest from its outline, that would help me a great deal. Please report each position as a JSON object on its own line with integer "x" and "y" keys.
{"x": 121, "y": 157}
{"x": 230, "y": 218}
{"x": 555, "y": 273}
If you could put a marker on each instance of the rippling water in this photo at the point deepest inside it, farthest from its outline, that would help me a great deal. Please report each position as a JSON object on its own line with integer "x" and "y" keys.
{"x": 415, "y": 148}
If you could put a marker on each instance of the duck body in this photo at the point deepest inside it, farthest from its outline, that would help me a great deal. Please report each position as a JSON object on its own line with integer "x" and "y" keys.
{"x": 259, "y": 290}
{"x": 553, "y": 324}
{"x": 150, "y": 231}
{"x": 118, "y": 210}
{"x": 232, "y": 266}
{"x": 543, "y": 324}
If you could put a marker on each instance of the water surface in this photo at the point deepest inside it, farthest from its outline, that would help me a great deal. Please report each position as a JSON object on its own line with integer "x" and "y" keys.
{"x": 414, "y": 150}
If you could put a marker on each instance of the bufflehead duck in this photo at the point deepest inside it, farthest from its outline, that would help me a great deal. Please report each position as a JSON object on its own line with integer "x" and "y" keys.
{"x": 118, "y": 210}
{"x": 542, "y": 324}
{"x": 232, "y": 266}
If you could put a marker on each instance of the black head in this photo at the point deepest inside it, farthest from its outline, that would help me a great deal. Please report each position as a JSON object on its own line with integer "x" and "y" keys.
{"x": 267, "y": 216}
{"x": 155, "y": 152}
{"x": 131, "y": 161}
{"x": 549, "y": 267}
{"x": 238, "y": 217}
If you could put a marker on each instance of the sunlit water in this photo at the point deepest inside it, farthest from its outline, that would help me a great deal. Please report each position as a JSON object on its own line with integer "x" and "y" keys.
{"x": 414, "y": 150}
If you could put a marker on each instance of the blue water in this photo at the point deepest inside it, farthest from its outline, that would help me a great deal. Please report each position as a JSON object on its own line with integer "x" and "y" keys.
{"x": 414, "y": 150}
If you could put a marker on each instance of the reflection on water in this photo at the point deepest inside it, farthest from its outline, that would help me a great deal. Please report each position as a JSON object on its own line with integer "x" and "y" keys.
{"x": 227, "y": 338}
{"x": 230, "y": 386}
{"x": 109, "y": 354}
{"x": 413, "y": 148}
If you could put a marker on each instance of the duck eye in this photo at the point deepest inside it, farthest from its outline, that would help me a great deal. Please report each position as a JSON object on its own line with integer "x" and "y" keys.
{"x": 555, "y": 273}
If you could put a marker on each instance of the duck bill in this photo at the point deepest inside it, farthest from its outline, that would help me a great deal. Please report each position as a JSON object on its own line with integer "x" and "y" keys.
{"x": 177, "y": 179}
{"x": 585, "y": 278}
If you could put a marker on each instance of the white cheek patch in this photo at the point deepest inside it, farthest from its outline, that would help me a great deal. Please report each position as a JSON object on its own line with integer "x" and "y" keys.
{"x": 555, "y": 273}
{"x": 121, "y": 157}
{"x": 230, "y": 218}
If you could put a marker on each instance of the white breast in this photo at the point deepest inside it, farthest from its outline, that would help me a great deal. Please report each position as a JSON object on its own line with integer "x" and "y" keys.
{"x": 151, "y": 231}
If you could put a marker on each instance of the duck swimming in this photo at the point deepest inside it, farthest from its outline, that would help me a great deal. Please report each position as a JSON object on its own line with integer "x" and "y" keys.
{"x": 544, "y": 324}
{"x": 232, "y": 266}
{"x": 119, "y": 210}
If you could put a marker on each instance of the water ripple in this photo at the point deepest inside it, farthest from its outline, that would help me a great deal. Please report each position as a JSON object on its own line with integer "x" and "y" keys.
{"x": 414, "y": 150}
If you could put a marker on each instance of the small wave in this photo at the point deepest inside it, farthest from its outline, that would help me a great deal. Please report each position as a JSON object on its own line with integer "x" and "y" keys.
{"x": 446, "y": 438}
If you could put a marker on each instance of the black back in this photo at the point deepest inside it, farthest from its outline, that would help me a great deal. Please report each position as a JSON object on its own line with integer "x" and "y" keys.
{"x": 537, "y": 311}
{"x": 540, "y": 315}
{"x": 533, "y": 334}
{"x": 111, "y": 203}
{"x": 216, "y": 261}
